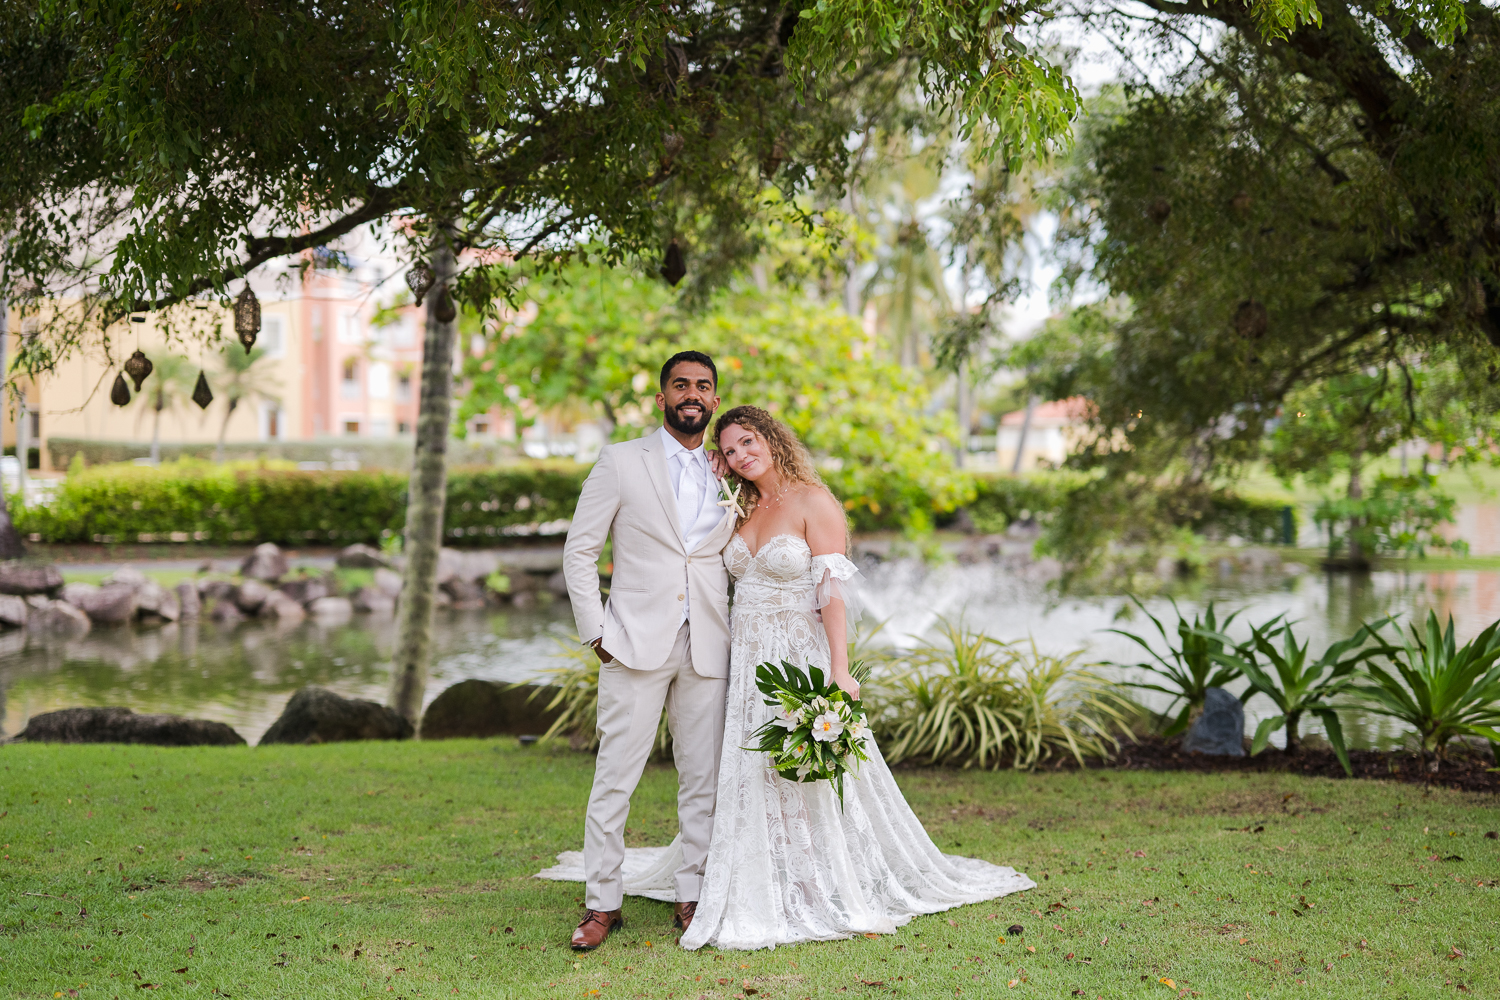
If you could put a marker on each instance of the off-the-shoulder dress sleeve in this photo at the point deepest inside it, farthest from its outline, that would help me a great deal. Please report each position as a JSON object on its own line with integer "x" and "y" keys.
{"x": 835, "y": 576}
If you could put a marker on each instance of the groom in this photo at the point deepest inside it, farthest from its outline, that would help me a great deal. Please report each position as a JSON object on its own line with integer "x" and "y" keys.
{"x": 662, "y": 638}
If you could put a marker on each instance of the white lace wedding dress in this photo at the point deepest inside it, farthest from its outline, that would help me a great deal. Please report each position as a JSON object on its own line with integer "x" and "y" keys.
{"x": 786, "y": 863}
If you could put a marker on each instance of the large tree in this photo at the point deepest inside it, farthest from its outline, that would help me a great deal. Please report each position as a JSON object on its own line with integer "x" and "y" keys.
{"x": 1272, "y": 214}
{"x": 159, "y": 151}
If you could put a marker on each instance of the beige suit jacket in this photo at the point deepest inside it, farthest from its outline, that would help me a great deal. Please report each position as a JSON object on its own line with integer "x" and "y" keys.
{"x": 629, "y": 494}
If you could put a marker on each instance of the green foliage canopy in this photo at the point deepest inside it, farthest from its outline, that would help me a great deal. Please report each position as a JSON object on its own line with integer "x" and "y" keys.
{"x": 601, "y": 335}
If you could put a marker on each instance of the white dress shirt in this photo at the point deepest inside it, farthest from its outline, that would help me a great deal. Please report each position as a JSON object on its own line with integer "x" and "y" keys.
{"x": 693, "y": 483}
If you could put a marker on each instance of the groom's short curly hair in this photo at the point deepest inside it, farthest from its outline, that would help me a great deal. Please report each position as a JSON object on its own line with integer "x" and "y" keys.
{"x": 695, "y": 357}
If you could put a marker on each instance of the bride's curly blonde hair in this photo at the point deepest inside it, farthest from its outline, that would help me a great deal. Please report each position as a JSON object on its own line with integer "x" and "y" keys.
{"x": 794, "y": 463}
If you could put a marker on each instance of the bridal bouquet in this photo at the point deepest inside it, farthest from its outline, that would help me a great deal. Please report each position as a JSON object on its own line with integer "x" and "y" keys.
{"x": 818, "y": 733}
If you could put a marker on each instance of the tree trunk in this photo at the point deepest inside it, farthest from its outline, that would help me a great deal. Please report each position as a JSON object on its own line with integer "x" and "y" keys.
{"x": 224, "y": 428}
{"x": 1355, "y": 492}
{"x": 10, "y": 539}
{"x": 425, "y": 497}
{"x": 1293, "y": 738}
{"x": 156, "y": 431}
{"x": 1015, "y": 465}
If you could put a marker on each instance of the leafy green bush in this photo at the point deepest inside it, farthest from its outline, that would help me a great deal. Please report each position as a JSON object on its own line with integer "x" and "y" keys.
{"x": 973, "y": 700}
{"x": 1002, "y": 499}
{"x": 1400, "y": 514}
{"x": 1297, "y": 687}
{"x": 1439, "y": 688}
{"x": 1197, "y": 661}
{"x": 1264, "y": 520}
{"x": 242, "y": 503}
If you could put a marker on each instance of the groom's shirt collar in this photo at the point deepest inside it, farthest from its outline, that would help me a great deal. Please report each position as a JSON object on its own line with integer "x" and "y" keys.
{"x": 674, "y": 447}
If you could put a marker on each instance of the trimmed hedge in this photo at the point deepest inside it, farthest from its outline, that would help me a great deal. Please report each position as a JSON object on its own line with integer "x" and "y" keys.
{"x": 189, "y": 502}
{"x": 243, "y": 503}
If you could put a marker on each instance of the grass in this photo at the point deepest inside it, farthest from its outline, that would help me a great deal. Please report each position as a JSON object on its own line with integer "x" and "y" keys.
{"x": 402, "y": 870}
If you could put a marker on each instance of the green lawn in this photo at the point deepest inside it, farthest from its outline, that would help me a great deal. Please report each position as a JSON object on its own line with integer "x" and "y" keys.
{"x": 402, "y": 870}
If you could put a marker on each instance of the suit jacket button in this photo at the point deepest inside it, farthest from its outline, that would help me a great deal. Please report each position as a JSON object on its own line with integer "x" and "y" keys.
{"x": 680, "y": 597}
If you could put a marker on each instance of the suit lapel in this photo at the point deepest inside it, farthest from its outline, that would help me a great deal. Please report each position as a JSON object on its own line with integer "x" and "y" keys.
{"x": 720, "y": 535}
{"x": 656, "y": 469}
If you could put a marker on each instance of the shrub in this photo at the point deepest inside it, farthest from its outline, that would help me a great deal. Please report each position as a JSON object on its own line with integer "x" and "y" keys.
{"x": 1002, "y": 499}
{"x": 1439, "y": 688}
{"x": 972, "y": 700}
{"x": 1265, "y": 520}
{"x": 1197, "y": 661}
{"x": 242, "y": 503}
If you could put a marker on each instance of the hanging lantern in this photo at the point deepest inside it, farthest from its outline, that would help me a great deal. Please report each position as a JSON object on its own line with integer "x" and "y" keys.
{"x": 443, "y": 309}
{"x": 1159, "y": 210}
{"x": 138, "y": 367}
{"x": 672, "y": 266}
{"x": 247, "y": 317}
{"x": 202, "y": 394}
{"x": 1251, "y": 319}
{"x": 119, "y": 393}
{"x": 419, "y": 279}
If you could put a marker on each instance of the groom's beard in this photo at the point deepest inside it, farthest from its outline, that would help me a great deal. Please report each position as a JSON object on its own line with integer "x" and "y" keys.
{"x": 687, "y": 424}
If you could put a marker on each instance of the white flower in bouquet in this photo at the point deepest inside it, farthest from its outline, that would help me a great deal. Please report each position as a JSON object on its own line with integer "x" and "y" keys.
{"x": 786, "y": 719}
{"x": 802, "y": 771}
{"x": 858, "y": 730}
{"x": 821, "y": 704}
{"x": 827, "y": 727}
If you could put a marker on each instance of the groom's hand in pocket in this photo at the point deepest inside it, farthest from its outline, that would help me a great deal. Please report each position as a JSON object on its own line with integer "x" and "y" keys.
{"x": 601, "y": 652}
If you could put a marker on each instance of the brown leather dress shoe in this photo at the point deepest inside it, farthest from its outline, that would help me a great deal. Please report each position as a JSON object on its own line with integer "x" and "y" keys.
{"x": 683, "y": 913}
{"x": 595, "y": 927}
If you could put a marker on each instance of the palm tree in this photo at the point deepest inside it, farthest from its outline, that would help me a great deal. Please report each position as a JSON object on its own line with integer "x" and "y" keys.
{"x": 240, "y": 378}
{"x": 169, "y": 385}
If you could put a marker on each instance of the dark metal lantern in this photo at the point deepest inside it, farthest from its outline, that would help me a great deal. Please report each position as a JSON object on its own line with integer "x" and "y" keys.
{"x": 202, "y": 394}
{"x": 247, "y": 317}
{"x": 138, "y": 367}
{"x": 419, "y": 279}
{"x": 1159, "y": 210}
{"x": 443, "y": 309}
{"x": 1251, "y": 319}
{"x": 119, "y": 393}
{"x": 672, "y": 266}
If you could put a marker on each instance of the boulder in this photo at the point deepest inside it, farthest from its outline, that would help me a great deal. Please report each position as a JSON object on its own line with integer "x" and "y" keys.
{"x": 23, "y": 578}
{"x": 488, "y": 708}
{"x": 373, "y": 600}
{"x": 317, "y": 715}
{"x": 305, "y": 590}
{"x": 75, "y": 593}
{"x": 225, "y": 612}
{"x": 188, "y": 604}
{"x": 557, "y": 584}
{"x": 49, "y": 617}
{"x": 121, "y": 725}
{"x": 330, "y": 608}
{"x": 13, "y": 610}
{"x": 112, "y": 604}
{"x": 388, "y": 581}
{"x": 362, "y": 556}
{"x": 155, "y": 601}
{"x": 266, "y": 564}
{"x": 1220, "y": 730}
{"x": 523, "y": 599}
{"x": 467, "y": 595}
{"x": 250, "y": 595}
{"x": 282, "y": 607}
{"x": 127, "y": 576}
{"x": 215, "y": 590}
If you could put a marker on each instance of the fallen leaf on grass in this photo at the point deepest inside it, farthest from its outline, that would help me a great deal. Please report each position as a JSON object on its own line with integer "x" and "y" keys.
{"x": 1030, "y": 948}
{"x": 1068, "y": 956}
{"x": 1015, "y": 929}
{"x": 1455, "y": 953}
{"x": 1167, "y": 982}
{"x": 1012, "y": 983}
{"x": 181, "y": 970}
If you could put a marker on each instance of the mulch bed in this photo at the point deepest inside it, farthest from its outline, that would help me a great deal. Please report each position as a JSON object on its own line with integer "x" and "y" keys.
{"x": 1463, "y": 770}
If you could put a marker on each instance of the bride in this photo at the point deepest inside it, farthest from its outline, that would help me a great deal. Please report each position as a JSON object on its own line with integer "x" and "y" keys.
{"x": 786, "y": 863}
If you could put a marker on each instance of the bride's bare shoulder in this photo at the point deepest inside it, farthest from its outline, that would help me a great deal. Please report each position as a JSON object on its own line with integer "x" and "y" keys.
{"x": 824, "y": 517}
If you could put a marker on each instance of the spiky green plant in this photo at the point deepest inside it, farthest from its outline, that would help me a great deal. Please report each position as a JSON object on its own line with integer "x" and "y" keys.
{"x": 1296, "y": 686}
{"x": 973, "y": 700}
{"x": 1192, "y": 668}
{"x": 1439, "y": 688}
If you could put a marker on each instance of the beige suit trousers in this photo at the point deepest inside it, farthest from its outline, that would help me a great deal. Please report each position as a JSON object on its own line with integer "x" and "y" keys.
{"x": 630, "y": 704}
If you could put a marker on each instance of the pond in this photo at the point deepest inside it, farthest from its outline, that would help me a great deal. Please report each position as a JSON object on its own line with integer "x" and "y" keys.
{"x": 244, "y": 674}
